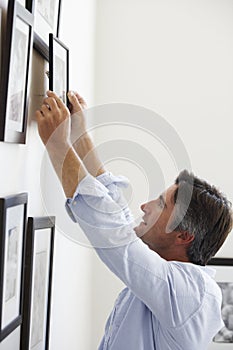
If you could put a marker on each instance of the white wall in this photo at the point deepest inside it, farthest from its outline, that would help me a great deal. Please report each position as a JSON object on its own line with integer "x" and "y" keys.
{"x": 175, "y": 58}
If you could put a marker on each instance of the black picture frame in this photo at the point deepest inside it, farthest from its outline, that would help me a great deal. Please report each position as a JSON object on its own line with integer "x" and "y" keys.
{"x": 224, "y": 277}
{"x": 13, "y": 213}
{"x": 43, "y": 24}
{"x": 15, "y": 74}
{"x": 58, "y": 67}
{"x": 26, "y": 4}
{"x": 38, "y": 283}
{"x": 0, "y": 38}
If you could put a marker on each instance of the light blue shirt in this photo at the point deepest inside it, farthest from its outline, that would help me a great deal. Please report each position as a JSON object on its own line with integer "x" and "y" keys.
{"x": 166, "y": 305}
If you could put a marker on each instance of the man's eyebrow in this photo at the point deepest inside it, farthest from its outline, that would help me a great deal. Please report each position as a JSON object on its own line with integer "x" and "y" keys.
{"x": 163, "y": 201}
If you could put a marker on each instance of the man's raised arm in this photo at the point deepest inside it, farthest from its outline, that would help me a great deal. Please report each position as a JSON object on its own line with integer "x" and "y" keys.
{"x": 54, "y": 128}
{"x": 80, "y": 138}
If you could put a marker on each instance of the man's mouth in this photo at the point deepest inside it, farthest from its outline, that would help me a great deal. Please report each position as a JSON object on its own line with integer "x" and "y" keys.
{"x": 143, "y": 221}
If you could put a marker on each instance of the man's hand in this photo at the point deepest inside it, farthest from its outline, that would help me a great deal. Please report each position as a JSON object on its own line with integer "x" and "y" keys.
{"x": 77, "y": 103}
{"x": 53, "y": 121}
{"x": 54, "y": 128}
{"x": 78, "y": 123}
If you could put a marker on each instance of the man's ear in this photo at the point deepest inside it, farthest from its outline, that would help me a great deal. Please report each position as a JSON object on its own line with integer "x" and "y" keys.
{"x": 184, "y": 238}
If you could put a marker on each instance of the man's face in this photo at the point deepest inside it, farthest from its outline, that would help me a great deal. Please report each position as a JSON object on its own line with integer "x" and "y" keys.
{"x": 157, "y": 213}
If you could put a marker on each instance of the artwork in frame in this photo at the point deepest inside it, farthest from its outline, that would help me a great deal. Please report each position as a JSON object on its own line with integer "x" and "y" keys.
{"x": 47, "y": 20}
{"x": 224, "y": 277}
{"x": 22, "y": 2}
{"x": 38, "y": 283}
{"x": 13, "y": 211}
{"x": 58, "y": 67}
{"x": 12, "y": 342}
{"x": 15, "y": 73}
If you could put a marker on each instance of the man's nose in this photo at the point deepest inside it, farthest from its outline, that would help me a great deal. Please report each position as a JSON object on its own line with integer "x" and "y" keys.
{"x": 143, "y": 207}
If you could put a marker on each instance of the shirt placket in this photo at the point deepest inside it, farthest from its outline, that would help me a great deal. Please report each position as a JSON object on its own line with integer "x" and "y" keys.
{"x": 109, "y": 333}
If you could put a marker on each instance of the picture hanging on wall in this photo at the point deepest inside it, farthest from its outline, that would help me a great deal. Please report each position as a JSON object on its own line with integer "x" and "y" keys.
{"x": 224, "y": 278}
{"x": 47, "y": 20}
{"x": 12, "y": 342}
{"x": 38, "y": 283}
{"x": 58, "y": 67}
{"x": 13, "y": 210}
{"x": 15, "y": 74}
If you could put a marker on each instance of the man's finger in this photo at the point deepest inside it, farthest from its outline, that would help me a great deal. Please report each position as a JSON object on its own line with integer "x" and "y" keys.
{"x": 51, "y": 102}
{"x": 45, "y": 110}
{"x": 57, "y": 99}
{"x": 39, "y": 116}
{"x": 80, "y": 99}
{"x": 76, "y": 106}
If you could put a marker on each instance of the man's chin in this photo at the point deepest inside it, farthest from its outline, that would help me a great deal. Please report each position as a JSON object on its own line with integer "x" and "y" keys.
{"x": 139, "y": 232}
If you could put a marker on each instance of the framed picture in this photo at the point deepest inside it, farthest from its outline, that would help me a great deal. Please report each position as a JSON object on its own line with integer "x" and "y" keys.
{"x": 224, "y": 277}
{"x": 15, "y": 73}
{"x": 38, "y": 283}
{"x": 58, "y": 67}
{"x": 47, "y": 20}
{"x": 12, "y": 342}
{"x": 13, "y": 210}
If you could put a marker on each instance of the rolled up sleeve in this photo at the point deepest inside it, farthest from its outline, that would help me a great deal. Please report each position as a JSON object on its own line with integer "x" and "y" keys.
{"x": 101, "y": 212}
{"x": 114, "y": 184}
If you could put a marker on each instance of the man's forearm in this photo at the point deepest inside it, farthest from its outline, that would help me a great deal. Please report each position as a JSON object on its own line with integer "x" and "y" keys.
{"x": 85, "y": 149}
{"x": 69, "y": 168}
{"x": 81, "y": 140}
{"x": 57, "y": 132}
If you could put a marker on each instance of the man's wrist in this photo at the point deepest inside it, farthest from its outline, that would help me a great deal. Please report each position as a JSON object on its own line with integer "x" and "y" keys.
{"x": 83, "y": 145}
{"x": 59, "y": 149}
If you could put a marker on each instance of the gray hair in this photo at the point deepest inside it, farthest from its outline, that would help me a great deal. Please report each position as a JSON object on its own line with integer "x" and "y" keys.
{"x": 204, "y": 212}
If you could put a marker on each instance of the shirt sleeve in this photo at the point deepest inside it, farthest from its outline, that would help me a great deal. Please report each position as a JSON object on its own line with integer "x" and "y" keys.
{"x": 114, "y": 184}
{"x": 109, "y": 227}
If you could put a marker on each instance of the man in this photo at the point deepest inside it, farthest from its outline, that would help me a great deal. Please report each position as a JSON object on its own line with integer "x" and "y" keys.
{"x": 171, "y": 300}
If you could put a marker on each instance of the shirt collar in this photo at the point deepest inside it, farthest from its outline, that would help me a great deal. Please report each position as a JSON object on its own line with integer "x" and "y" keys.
{"x": 209, "y": 270}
